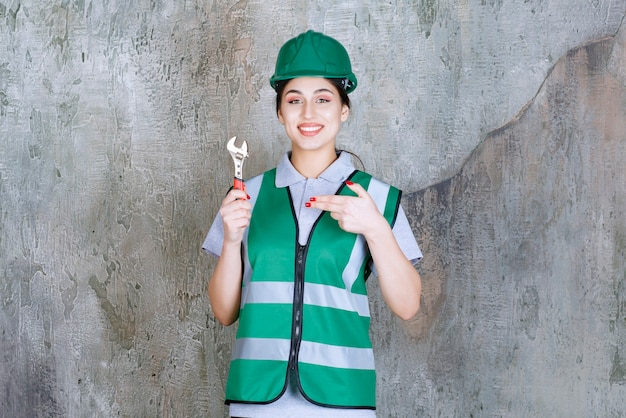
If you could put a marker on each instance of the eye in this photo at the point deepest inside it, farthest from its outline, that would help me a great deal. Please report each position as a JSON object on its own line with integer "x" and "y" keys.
{"x": 294, "y": 100}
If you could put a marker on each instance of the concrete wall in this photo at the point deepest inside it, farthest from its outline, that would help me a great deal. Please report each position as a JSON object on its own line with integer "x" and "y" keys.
{"x": 503, "y": 121}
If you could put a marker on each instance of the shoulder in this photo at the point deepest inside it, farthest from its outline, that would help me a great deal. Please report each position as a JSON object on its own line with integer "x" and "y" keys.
{"x": 258, "y": 179}
{"x": 370, "y": 182}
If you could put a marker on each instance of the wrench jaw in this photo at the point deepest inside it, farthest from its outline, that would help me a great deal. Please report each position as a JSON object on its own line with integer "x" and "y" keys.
{"x": 239, "y": 154}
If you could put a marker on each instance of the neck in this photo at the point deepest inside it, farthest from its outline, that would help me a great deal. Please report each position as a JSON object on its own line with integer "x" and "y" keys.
{"x": 312, "y": 164}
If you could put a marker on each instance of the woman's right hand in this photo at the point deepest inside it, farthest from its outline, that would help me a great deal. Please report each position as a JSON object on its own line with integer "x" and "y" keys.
{"x": 235, "y": 211}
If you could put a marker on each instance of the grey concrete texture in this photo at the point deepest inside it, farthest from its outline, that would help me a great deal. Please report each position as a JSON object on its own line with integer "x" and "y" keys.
{"x": 503, "y": 121}
{"x": 527, "y": 257}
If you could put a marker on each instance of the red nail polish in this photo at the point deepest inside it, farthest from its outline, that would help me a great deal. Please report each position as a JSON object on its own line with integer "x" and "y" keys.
{"x": 307, "y": 204}
{"x": 312, "y": 199}
{"x": 349, "y": 183}
{"x": 248, "y": 196}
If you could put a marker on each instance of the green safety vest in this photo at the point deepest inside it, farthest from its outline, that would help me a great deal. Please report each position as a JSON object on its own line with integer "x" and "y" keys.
{"x": 305, "y": 308}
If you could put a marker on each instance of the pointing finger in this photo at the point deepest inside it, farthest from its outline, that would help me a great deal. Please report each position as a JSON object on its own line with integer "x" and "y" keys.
{"x": 356, "y": 188}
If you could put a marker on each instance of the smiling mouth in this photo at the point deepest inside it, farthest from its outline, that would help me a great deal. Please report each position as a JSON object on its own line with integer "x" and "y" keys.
{"x": 310, "y": 130}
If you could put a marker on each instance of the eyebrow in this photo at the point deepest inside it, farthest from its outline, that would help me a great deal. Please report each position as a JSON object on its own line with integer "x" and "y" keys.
{"x": 315, "y": 92}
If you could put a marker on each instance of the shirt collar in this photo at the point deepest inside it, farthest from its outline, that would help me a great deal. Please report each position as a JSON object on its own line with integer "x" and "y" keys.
{"x": 338, "y": 171}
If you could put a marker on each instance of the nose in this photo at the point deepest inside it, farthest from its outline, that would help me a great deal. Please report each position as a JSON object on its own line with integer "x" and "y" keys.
{"x": 307, "y": 110}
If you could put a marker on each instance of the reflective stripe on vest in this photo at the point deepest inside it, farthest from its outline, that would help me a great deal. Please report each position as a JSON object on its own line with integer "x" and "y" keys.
{"x": 326, "y": 332}
{"x": 310, "y": 352}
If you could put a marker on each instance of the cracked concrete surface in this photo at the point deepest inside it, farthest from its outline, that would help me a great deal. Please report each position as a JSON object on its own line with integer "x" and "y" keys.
{"x": 528, "y": 259}
{"x": 504, "y": 123}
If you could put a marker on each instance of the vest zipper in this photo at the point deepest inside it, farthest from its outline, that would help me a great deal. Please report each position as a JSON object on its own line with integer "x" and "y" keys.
{"x": 298, "y": 302}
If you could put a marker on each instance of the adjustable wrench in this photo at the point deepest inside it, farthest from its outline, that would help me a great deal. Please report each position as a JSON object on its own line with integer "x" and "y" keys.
{"x": 239, "y": 154}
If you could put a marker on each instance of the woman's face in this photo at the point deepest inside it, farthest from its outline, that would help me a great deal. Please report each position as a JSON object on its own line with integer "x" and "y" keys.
{"x": 312, "y": 112}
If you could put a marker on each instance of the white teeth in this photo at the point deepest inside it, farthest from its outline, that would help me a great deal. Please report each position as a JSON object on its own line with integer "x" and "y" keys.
{"x": 310, "y": 129}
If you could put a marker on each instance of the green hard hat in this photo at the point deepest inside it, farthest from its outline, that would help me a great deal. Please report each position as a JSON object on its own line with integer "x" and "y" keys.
{"x": 313, "y": 54}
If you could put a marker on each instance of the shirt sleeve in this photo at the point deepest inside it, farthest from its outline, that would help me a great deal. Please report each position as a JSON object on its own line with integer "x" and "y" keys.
{"x": 405, "y": 238}
{"x": 215, "y": 237}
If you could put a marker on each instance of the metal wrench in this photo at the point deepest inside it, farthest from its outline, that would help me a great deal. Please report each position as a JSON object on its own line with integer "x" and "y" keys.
{"x": 239, "y": 154}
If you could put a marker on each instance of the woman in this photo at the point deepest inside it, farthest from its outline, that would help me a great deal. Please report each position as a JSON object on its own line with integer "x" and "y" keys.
{"x": 295, "y": 250}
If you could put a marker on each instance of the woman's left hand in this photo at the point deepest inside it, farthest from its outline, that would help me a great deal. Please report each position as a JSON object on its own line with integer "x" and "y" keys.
{"x": 358, "y": 214}
{"x": 400, "y": 283}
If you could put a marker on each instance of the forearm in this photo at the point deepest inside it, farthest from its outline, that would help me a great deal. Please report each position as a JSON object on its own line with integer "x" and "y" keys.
{"x": 225, "y": 285}
{"x": 400, "y": 283}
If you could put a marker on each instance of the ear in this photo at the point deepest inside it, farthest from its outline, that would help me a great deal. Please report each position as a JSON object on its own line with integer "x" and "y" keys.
{"x": 280, "y": 117}
{"x": 345, "y": 112}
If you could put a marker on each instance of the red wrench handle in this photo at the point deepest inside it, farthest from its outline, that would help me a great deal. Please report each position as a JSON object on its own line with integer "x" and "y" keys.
{"x": 239, "y": 184}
